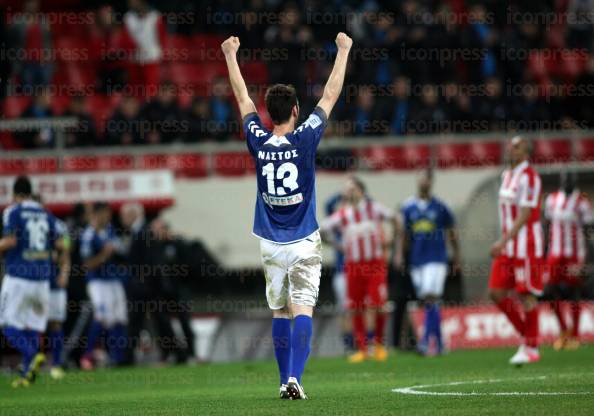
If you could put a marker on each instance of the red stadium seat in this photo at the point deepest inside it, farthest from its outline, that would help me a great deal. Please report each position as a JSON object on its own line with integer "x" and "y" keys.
{"x": 189, "y": 165}
{"x": 78, "y": 76}
{"x": 15, "y": 105}
{"x": 552, "y": 151}
{"x": 255, "y": 72}
{"x": 59, "y": 104}
{"x": 71, "y": 49}
{"x": 473, "y": 154}
{"x": 584, "y": 149}
{"x": 408, "y": 156}
{"x": 195, "y": 77}
{"x": 178, "y": 48}
{"x": 233, "y": 164}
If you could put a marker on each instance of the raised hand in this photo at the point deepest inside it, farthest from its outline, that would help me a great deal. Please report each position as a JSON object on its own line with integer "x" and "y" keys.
{"x": 343, "y": 41}
{"x": 230, "y": 46}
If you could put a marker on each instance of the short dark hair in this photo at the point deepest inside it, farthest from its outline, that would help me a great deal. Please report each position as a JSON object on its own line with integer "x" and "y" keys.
{"x": 280, "y": 100}
{"x": 22, "y": 186}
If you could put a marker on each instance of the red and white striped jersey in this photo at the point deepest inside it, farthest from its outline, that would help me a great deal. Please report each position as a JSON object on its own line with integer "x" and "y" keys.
{"x": 520, "y": 188}
{"x": 568, "y": 214}
{"x": 361, "y": 228}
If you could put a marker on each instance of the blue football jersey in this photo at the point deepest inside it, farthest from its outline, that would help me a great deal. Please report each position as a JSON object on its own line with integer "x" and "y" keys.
{"x": 61, "y": 232}
{"x": 285, "y": 171}
{"x": 426, "y": 223}
{"x": 35, "y": 231}
{"x": 92, "y": 243}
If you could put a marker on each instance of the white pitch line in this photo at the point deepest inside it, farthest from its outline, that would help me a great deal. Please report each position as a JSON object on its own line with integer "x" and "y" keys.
{"x": 419, "y": 390}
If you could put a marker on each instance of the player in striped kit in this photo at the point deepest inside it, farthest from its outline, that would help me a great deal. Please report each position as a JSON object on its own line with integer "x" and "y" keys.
{"x": 360, "y": 222}
{"x": 518, "y": 255}
{"x": 568, "y": 211}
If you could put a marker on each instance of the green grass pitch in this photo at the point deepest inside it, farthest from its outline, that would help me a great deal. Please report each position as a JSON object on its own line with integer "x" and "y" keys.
{"x": 561, "y": 384}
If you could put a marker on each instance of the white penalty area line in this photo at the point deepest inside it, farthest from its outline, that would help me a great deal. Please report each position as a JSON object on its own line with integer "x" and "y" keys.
{"x": 421, "y": 390}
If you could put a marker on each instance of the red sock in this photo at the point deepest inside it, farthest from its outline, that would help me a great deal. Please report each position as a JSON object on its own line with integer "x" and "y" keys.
{"x": 558, "y": 308}
{"x": 512, "y": 310}
{"x": 576, "y": 309}
{"x": 531, "y": 328}
{"x": 380, "y": 324}
{"x": 359, "y": 331}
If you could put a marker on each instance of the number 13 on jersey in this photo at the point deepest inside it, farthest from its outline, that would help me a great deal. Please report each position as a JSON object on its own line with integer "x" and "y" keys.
{"x": 287, "y": 173}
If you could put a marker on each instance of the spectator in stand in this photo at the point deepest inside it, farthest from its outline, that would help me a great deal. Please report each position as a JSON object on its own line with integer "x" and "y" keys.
{"x": 40, "y": 108}
{"x": 580, "y": 31}
{"x": 292, "y": 37}
{"x": 459, "y": 110}
{"x": 124, "y": 128}
{"x": 580, "y": 105}
{"x": 482, "y": 37}
{"x": 401, "y": 106}
{"x": 531, "y": 111}
{"x": 197, "y": 120}
{"x": 84, "y": 134}
{"x": 363, "y": 116}
{"x": 146, "y": 29}
{"x": 32, "y": 36}
{"x": 429, "y": 116}
{"x": 5, "y": 61}
{"x": 110, "y": 51}
{"x": 163, "y": 115}
{"x": 490, "y": 107}
{"x": 221, "y": 110}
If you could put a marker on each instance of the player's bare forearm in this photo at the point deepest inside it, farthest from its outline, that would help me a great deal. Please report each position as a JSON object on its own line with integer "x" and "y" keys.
{"x": 8, "y": 242}
{"x": 245, "y": 103}
{"x": 335, "y": 82}
{"x": 518, "y": 224}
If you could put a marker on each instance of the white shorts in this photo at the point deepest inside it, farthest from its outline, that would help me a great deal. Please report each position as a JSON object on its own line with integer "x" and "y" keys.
{"x": 340, "y": 290}
{"x": 429, "y": 279}
{"x": 24, "y": 303}
{"x": 57, "y": 305}
{"x": 109, "y": 301}
{"x": 292, "y": 271}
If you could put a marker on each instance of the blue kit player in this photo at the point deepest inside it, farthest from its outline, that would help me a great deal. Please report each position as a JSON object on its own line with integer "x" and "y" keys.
{"x": 285, "y": 218}
{"x": 29, "y": 238}
{"x": 57, "y": 303}
{"x": 105, "y": 288}
{"x": 428, "y": 225}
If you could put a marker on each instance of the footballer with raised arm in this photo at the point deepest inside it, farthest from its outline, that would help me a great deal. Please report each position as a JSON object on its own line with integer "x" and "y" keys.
{"x": 285, "y": 218}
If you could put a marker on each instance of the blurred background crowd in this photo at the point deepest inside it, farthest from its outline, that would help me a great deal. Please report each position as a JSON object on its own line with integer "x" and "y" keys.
{"x": 150, "y": 72}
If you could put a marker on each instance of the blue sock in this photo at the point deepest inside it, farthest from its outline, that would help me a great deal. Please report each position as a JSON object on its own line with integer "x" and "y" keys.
{"x": 437, "y": 327}
{"x": 95, "y": 331}
{"x": 116, "y": 341}
{"x": 281, "y": 339}
{"x": 19, "y": 340}
{"x": 300, "y": 344}
{"x": 428, "y": 327}
{"x": 56, "y": 339}
{"x": 34, "y": 342}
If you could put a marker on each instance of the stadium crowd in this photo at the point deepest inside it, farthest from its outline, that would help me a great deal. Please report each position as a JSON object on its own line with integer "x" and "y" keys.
{"x": 135, "y": 75}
